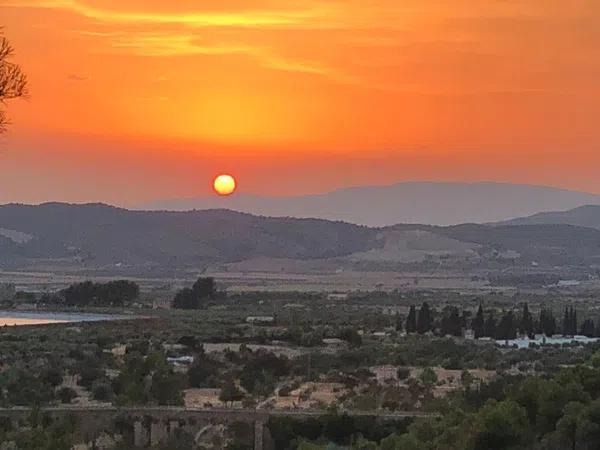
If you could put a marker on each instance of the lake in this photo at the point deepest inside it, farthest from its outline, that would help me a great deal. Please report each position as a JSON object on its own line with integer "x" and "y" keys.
{"x": 16, "y": 318}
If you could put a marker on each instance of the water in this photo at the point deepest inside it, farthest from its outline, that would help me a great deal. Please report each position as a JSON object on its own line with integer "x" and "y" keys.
{"x": 17, "y": 318}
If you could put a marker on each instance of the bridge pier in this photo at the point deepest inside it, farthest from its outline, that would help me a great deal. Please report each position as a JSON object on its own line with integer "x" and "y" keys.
{"x": 259, "y": 433}
{"x": 158, "y": 433}
{"x": 140, "y": 435}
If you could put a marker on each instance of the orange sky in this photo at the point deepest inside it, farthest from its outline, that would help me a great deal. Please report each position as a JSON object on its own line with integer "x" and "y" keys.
{"x": 143, "y": 99}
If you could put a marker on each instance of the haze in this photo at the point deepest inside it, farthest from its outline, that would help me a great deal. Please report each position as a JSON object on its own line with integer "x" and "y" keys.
{"x": 136, "y": 100}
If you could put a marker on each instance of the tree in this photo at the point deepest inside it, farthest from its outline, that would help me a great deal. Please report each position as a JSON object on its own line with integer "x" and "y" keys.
{"x": 428, "y": 377}
{"x": 478, "y": 323}
{"x": 205, "y": 288}
{"x": 490, "y": 326}
{"x": 547, "y": 322}
{"x": 398, "y": 322}
{"x": 185, "y": 299}
{"x": 500, "y": 425}
{"x": 113, "y": 293}
{"x": 196, "y": 297}
{"x": 451, "y": 323}
{"x": 66, "y": 394}
{"x": 13, "y": 82}
{"x": 351, "y": 336}
{"x": 569, "y": 322}
{"x": 507, "y": 328}
{"x": 424, "y": 319}
{"x": 587, "y": 328}
{"x": 203, "y": 372}
{"x": 102, "y": 391}
{"x": 466, "y": 379}
{"x": 230, "y": 392}
{"x": 526, "y": 324}
{"x": 411, "y": 320}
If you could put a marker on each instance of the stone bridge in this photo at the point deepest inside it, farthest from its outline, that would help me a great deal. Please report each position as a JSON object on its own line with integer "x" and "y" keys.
{"x": 154, "y": 425}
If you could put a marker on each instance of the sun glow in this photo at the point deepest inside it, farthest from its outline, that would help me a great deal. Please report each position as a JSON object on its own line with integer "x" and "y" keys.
{"x": 224, "y": 185}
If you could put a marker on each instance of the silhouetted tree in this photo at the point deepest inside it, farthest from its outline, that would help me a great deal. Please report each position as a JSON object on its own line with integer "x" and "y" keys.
{"x": 411, "y": 320}
{"x": 424, "y": 319}
{"x": 507, "y": 327}
{"x": 490, "y": 326}
{"x": 113, "y": 293}
{"x": 547, "y": 322}
{"x": 569, "y": 327}
{"x": 13, "y": 82}
{"x": 399, "y": 322}
{"x": 451, "y": 323}
{"x": 587, "y": 328}
{"x": 196, "y": 297}
{"x": 526, "y": 325}
{"x": 478, "y": 323}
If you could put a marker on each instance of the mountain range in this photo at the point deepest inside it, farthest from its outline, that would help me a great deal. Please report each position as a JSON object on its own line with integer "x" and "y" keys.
{"x": 98, "y": 235}
{"x": 412, "y": 202}
{"x": 583, "y": 216}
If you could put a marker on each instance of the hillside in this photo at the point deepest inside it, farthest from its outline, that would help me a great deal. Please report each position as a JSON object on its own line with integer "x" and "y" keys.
{"x": 584, "y": 216}
{"x": 97, "y": 234}
{"x": 414, "y": 202}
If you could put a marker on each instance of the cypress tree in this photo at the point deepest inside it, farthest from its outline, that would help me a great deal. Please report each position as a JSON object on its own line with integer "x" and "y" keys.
{"x": 507, "y": 328}
{"x": 424, "y": 319}
{"x": 398, "y": 322}
{"x": 490, "y": 326}
{"x": 526, "y": 325}
{"x": 566, "y": 325}
{"x": 478, "y": 323}
{"x": 549, "y": 326}
{"x": 587, "y": 328}
{"x": 451, "y": 323}
{"x": 411, "y": 320}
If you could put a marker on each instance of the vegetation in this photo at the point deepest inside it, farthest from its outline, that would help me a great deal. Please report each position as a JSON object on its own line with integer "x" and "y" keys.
{"x": 196, "y": 297}
{"x": 13, "y": 82}
{"x": 334, "y": 357}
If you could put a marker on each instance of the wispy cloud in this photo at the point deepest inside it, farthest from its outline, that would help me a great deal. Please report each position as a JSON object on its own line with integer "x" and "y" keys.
{"x": 171, "y": 44}
{"x": 167, "y": 44}
{"x": 190, "y": 18}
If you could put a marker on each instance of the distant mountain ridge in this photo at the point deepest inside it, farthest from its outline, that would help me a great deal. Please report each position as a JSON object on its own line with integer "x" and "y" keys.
{"x": 102, "y": 236}
{"x": 583, "y": 216}
{"x": 411, "y": 202}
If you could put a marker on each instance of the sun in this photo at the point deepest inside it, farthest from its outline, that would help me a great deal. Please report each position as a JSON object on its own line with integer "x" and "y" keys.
{"x": 224, "y": 185}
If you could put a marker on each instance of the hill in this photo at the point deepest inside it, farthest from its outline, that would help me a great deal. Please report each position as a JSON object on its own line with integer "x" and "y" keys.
{"x": 414, "y": 202}
{"x": 97, "y": 235}
{"x": 584, "y": 216}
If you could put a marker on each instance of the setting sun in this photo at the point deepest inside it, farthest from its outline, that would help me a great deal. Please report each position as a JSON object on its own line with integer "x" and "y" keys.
{"x": 224, "y": 185}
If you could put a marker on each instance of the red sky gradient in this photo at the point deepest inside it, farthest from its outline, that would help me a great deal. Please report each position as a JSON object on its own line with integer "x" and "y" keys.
{"x": 143, "y": 99}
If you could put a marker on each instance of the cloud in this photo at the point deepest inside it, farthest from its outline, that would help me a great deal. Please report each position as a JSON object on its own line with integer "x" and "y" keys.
{"x": 189, "y": 18}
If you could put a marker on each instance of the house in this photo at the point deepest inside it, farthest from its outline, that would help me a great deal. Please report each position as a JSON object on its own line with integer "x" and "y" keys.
{"x": 260, "y": 319}
{"x": 337, "y": 296}
{"x": 334, "y": 342}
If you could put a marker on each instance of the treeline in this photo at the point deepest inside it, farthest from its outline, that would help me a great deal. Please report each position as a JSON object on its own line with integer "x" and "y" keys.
{"x": 558, "y": 412}
{"x": 508, "y": 325}
{"x": 88, "y": 293}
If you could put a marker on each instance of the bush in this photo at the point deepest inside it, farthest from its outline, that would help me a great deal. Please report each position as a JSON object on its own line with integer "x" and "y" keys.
{"x": 66, "y": 394}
